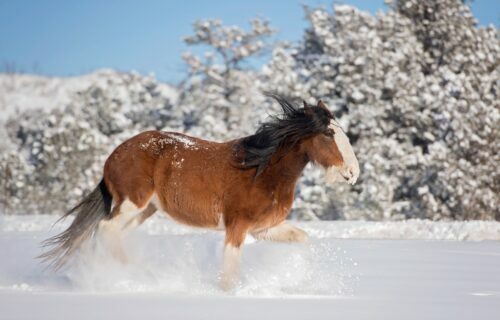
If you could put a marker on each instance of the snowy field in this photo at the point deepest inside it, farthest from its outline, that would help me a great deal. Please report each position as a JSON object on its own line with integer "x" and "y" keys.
{"x": 348, "y": 270}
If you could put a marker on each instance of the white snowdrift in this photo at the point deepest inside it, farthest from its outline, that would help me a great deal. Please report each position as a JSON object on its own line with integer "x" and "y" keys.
{"x": 173, "y": 269}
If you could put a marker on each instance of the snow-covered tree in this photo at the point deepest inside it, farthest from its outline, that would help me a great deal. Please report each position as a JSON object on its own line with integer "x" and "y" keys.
{"x": 416, "y": 88}
{"x": 420, "y": 104}
{"x": 58, "y": 154}
{"x": 220, "y": 95}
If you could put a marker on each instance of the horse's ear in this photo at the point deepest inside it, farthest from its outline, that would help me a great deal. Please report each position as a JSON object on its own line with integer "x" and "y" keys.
{"x": 322, "y": 105}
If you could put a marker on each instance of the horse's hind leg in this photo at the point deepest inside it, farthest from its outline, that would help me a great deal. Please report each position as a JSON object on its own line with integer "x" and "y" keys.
{"x": 283, "y": 232}
{"x": 112, "y": 230}
{"x": 140, "y": 218}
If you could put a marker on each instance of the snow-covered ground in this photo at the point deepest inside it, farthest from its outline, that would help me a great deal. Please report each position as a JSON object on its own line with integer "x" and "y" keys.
{"x": 347, "y": 270}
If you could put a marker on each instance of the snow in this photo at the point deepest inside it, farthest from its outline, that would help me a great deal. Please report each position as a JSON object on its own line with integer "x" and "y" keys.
{"x": 21, "y": 92}
{"x": 26, "y": 92}
{"x": 426, "y": 147}
{"x": 417, "y": 95}
{"x": 187, "y": 141}
{"x": 169, "y": 138}
{"x": 344, "y": 272}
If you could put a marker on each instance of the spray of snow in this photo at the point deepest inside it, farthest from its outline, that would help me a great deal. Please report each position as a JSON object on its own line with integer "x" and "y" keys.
{"x": 189, "y": 264}
{"x": 166, "y": 257}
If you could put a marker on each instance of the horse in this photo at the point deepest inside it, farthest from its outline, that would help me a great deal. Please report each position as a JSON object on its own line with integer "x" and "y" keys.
{"x": 243, "y": 186}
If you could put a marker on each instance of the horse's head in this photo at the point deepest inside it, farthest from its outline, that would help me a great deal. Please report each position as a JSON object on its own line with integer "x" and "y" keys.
{"x": 330, "y": 148}
{"x": 312, "y": 131}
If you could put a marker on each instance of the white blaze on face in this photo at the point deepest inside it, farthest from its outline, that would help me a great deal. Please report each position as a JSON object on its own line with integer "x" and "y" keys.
{"x": 350, "y": 170}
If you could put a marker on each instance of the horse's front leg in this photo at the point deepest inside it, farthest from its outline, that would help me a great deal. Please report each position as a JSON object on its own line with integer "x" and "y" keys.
{"x": 235, "y": 236}
{"x": 283, "y": 232}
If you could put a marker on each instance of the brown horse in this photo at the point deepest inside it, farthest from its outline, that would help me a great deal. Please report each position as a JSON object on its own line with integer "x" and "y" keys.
{"x": 241, "y": 186}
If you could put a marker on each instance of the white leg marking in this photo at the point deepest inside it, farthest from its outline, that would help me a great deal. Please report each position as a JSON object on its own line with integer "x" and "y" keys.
{"x": 132, "y": 224}
{"x": 231, "y": 267}
{"x": 128, "y": 211}
{"x": 139, "y": 218}
{"x": 283, "y": 232}
{"x": 111, "y": 230}
{"x": 111, "y": 236}
{"x": 156, "y": 201}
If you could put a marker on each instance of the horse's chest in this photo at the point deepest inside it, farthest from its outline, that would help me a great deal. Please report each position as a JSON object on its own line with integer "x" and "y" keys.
{"x": 275, "y": 212}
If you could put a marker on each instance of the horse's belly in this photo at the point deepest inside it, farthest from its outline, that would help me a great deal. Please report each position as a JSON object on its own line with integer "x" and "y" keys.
{"x": 189, "y": 214}
{"x": 194, "y": 219}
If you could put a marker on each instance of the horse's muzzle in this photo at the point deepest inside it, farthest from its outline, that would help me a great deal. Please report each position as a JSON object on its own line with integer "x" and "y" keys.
{"x": 350, "y": 175}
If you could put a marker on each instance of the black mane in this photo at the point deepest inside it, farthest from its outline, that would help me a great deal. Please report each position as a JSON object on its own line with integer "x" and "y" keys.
{"x": 285, "y": 130}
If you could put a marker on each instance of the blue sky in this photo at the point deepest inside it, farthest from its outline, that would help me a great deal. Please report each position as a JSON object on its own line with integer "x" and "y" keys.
{"x": 65, "y": 38}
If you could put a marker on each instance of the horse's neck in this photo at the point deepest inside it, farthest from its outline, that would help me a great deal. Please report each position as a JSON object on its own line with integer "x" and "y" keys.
{"x": 286, "y": 168}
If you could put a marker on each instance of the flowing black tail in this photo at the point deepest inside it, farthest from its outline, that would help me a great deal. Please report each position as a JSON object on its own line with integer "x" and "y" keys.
{"x": 89, "y": 212}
